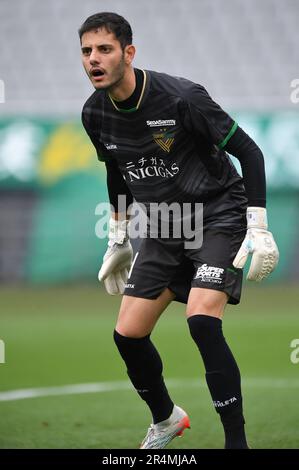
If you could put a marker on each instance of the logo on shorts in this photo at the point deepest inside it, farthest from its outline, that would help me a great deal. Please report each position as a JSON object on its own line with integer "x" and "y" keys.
{"x": 129, "y": 286}
{"x": 209, "y": 274}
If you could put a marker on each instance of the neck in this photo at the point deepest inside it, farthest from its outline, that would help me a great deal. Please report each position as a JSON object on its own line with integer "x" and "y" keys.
{"x": 125, "y": 87}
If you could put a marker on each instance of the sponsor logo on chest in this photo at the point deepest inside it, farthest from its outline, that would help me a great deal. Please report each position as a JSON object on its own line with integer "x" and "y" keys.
{"x": 150, "y": 167}
{"x": 164, "y": 137}
{"x": 161, "y": 123}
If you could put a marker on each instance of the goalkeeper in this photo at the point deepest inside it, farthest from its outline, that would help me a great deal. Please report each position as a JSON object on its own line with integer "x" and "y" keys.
{"x": 163, "y": 139}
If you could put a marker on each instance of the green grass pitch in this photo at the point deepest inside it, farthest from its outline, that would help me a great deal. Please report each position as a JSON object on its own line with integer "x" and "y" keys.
{"x": 63, "y": 335}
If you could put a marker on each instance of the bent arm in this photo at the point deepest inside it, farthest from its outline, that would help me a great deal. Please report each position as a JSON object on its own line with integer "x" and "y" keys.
{"x": 251, "y": 159}
{"x": 120, "y": 196}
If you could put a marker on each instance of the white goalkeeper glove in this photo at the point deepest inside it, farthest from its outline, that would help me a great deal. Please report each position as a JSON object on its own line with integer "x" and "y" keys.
{"x": 260, "y": 243}
{"x": 117, "y": 259}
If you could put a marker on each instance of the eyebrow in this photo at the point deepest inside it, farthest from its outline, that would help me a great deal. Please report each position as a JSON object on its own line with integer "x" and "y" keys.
{"x": 100, "y": 45}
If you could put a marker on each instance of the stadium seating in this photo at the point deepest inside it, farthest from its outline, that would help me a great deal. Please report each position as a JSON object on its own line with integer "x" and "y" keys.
{"x": 245, "y": 53}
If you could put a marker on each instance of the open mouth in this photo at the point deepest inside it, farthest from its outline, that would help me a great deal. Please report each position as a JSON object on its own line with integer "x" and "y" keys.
{"x": 96, "y": 73}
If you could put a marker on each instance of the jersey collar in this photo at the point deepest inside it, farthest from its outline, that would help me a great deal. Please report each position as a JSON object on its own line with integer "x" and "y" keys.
{"x": 142, "y": 94}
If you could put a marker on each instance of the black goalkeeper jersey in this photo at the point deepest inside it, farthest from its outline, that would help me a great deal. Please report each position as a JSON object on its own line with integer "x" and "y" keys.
{"x": 170, "y": 147}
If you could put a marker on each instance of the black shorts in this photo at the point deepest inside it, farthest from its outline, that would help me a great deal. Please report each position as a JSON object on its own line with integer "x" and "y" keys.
{"x": 161, "y": 263}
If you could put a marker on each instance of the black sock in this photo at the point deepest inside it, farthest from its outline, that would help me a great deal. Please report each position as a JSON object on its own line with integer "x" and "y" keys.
{"x": 222, "y": 376}
{"x": 144, "y": 367}
{"x": 233, "y": 424}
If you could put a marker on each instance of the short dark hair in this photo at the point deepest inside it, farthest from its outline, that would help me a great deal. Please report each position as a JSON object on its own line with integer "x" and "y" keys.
{"x": 113, "y": 23}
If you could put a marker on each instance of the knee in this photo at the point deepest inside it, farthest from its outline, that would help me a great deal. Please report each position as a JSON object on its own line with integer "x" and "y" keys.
{"x": 208, "y": 301}
{"x": 204, "y": 327}
{"x": 139, "y": 354}
{"x": 120, "y": 338}
{"x": 129, "y": 331}
{"x": 129, "y": 346}
{"x": 132, "y": 326}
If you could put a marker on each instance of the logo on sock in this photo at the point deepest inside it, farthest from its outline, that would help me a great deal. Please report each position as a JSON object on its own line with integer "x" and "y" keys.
{"x": 220, "y": 404}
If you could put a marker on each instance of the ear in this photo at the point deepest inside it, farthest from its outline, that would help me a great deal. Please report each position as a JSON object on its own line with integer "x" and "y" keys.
{"x": 129, "y": 53}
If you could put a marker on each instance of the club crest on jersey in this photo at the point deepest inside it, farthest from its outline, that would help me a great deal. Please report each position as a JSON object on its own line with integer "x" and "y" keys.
{"x": 164, "y": 139}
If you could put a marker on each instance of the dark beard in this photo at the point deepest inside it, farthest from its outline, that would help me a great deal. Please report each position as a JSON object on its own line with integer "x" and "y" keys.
{"x": 119, "y": 72}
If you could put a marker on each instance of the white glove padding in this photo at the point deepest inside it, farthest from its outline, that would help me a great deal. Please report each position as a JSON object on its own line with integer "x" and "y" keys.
{"x": 260, "y": 243}
{"x": 117, "y": 259}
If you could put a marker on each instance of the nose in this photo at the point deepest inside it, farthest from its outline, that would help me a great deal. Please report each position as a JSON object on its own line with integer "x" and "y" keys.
{"x": 94, "y": 58}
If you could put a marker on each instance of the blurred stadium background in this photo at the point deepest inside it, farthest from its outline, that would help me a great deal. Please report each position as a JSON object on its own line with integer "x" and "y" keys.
{"x": 55, "y": 320}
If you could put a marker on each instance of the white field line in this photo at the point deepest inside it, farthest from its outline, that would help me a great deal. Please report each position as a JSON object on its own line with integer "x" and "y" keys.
{"x": 99, "y": 387}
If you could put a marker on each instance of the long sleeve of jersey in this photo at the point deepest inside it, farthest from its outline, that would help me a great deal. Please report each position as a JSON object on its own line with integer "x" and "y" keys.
{"x": 117, "y": 186}
{"x": 206, "y": 118}
{"x": 250, "y": 156}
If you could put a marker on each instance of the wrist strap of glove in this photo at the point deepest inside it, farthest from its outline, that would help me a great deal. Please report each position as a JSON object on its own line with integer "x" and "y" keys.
{"x": 257, "y": 218}
{"x": 118, "y": 231}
